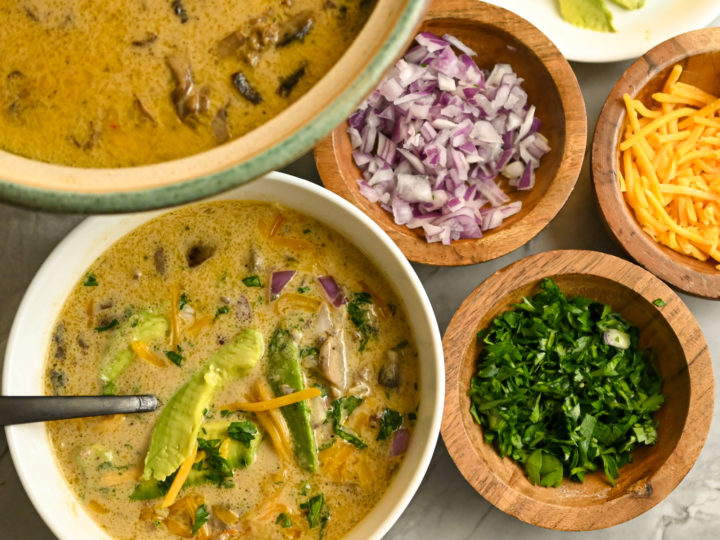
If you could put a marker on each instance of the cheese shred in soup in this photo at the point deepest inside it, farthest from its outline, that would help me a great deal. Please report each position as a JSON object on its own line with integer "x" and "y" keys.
{"x": 120, "y": 83}
{"x": 283, "y": 361}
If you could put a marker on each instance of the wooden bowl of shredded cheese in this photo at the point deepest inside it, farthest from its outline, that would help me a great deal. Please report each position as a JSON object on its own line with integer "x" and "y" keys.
{"x": 656, "y": 161}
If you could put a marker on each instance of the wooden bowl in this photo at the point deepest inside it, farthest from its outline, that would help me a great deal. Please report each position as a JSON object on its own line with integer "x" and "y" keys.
{"x": 270, "y": 146}
{"x": 684, "y": 419}
{"x": 699, "y": 54}
{"x": 498, "y": 36}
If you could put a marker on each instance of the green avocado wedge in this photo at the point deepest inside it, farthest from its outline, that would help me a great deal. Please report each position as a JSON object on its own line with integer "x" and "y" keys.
{"x": 145, "y": 326}
{"x": 283, "y": 370}
{"x": 180, "y": 420}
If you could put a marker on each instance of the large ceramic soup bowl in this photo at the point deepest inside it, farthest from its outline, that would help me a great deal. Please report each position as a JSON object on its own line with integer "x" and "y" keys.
{"x": 31, "y": 341}
{"x": 198, "y": 100}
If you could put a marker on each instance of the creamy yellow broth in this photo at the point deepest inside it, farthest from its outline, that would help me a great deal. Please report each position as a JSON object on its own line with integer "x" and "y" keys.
{"x": 150, "y": 269}
{"x": 90, "y": 84}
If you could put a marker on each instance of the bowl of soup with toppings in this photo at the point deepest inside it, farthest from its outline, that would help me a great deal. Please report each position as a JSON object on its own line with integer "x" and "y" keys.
{"x": 294, "y": 352}
{"x": 130, "y": 105}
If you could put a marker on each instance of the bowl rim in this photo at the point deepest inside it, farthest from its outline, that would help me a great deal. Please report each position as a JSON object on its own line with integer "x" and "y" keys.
{"x": 472, "y": 251}
{"x": 216, "y": 180}
{"x": 695, "y": 429}
{"x": 616, "y": 214}
{"x": 29, "y": 444}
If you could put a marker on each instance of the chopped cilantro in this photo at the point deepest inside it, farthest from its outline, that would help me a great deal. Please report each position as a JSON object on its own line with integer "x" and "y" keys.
{"x": 201, "y": 517}
{"x": 243, "y": 431}
{"x": 551, "y": 394}
{"x": 175, "y": 357}
{"x": 217, "y": 468}
{"x": 659, "y": 302}
{"x": 90, "y": 281}
{"x": 340, "y": 410}
{"x": 306, "y": 231}
{"x": 222, "y": 310}
{"x": 401, "y": 345}
{"x": 362, "y": 315}
{"x": 252, "y": 281}
{"x": 225, "y": 413}
{"x": 303, "y": 290}
{"x": 283, "y": 520}
{"x": 390, "y": 422}
{"x": 109, "y": 326}
{"x": 412, "y": 417}
{"x": 316, "y": 511}
{"x": 309, "y": 351}
{"x": 184, "y": 301}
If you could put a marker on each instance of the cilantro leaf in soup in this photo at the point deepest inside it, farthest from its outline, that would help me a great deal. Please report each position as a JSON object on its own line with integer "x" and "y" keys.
{"x": 175, "y": 357}
{"x": 90, "y": 281}
{"x": 242, "y": 431}
{"x": 222, "y": 310}
{"x": 252, "y": 281}
{"x": 362, "y": 314}
{"x": 184, "y": 301}
{"x": 316, "y": 511}
{"x": 339, "y": 411}
{"x": 201, "y": 517}
{"x": 109, "y": 326}
{"x": 659, "y": 302}
{"x": 283, "y": 520}
{"x": 390, "y": 422}
{"x": 562, "y": 387}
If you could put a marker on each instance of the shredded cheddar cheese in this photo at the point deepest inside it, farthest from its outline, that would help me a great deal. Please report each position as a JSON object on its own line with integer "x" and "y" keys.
{"x": 670, "y": 167}
{"x": 180, "y": 478}
{"x": 282, "y": 401}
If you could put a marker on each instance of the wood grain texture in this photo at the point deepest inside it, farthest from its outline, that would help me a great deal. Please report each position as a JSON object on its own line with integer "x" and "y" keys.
{"x": 699, "y": 54}
{"x": 684, "y": 420}
{"x": 498, "y": 36}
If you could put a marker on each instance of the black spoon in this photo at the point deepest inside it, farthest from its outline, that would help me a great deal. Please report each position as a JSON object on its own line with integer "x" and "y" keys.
{"x": 26, "y": 409}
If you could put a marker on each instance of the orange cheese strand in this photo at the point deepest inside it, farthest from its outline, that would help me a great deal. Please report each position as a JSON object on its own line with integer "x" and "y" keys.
{"x": 180, "y": 478}
{"x": 282, "y": 401}
{"x": 669, "y": 167}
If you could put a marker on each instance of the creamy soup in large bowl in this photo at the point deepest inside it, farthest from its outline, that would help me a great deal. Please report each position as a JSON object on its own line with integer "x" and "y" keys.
{"x": 287, "y": 373}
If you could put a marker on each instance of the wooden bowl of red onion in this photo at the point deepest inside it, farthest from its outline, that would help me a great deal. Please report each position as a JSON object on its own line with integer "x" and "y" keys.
{"x": 470, "y": 145}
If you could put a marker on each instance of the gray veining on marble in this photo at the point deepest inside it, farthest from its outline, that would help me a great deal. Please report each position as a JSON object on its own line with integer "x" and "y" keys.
{"x": 445, "y": 507}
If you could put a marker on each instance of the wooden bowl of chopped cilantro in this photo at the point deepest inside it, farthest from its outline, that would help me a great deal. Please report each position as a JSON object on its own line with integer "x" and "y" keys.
{"x": 579, "y": 390}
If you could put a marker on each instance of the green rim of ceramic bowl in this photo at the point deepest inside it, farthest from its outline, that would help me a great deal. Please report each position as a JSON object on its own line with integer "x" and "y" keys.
{"x": 204, "y": 186}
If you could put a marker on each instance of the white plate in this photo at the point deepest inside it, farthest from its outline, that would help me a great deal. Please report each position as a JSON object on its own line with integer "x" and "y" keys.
{"x": 638, "y": 31}
{"x": 33, "y": 326}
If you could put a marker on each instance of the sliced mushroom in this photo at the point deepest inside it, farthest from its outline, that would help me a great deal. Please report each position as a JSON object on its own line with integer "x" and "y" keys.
{"x": 333, "y": 363}
{"x": 318, "y": 411}
{"x": 58, "y": 380}
{"x": 243, "y": 86}
{"x": 160, "y": 261}
{"x": 323, "y": 322}
{"x": 255, "y": 262}
{"x": 59, "y": 340}
{"x": 198, "y": 254}
{"x": 188, "y": 98}
{"x": 243, "y": 311}
{"x": 389, "y": 375}
{"x": 219, "y": 125}
{"x": 296, "y": 28}
{"x": 288, "y": 83}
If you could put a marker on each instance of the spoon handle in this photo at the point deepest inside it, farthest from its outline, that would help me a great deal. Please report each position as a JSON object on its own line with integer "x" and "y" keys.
{"x": 26, "y": 409}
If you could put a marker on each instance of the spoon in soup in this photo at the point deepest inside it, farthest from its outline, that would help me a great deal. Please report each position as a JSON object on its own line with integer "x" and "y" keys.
{"x": 27, "y": 409}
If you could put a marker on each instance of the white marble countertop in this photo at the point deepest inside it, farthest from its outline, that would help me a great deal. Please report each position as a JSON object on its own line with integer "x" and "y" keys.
{"x": 445, "y": 506}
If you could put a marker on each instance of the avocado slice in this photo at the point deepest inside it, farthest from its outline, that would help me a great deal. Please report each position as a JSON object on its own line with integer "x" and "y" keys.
{"x": 283, "y": 371}
{"x": 239, "y": 456}
{"x": 116, "y": 357}
{"x": 179, "y": 423}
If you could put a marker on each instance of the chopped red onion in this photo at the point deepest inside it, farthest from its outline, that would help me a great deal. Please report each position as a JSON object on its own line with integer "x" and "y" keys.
{"x": 400, "y": 442}
{"x": 278, "y": 280}
{"x": 333, "y": 292}
{"x": 434, "y": 136}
